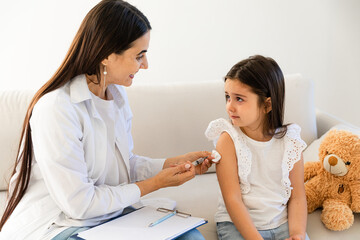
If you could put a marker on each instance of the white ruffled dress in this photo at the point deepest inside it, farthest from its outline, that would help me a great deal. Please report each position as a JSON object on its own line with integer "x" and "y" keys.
{"x": 265, "y": 193}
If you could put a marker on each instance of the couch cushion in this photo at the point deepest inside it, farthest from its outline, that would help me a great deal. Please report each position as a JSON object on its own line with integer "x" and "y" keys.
{"x": 299, "y": 105}
{"x": 170, "y": 118}
{"x": 13, "y": 105}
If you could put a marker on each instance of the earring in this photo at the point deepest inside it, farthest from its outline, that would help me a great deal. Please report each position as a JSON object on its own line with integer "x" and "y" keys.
{"x": 104, "y": 86}
{"x": 105, "y": 72}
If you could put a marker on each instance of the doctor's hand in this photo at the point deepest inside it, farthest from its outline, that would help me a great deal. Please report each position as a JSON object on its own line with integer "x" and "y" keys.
{"x": 191, "y": 157}
{"x": 168, "y": 177}
{"x": 175, "y": 176}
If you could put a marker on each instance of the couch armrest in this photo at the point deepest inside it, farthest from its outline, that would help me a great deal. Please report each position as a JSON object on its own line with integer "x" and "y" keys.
{"x": 325, "y": 121}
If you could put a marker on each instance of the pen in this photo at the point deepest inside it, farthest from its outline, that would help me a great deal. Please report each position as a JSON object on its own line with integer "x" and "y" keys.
{"x": 199, "y": 161}
{"x": 163, "y": 218}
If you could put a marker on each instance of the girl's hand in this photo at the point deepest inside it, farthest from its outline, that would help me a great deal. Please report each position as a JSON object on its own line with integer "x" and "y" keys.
{"x": 191, "y": 157}
{"x": 296, "y": 237}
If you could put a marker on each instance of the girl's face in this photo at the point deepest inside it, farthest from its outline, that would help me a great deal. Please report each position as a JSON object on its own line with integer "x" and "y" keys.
{"x": 121, "y": 68}
{"x": 242, "y": 106}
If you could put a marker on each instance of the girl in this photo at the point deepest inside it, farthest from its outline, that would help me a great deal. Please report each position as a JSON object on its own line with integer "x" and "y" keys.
{"x": 261, "y": 171}
{"x": 75, "y": 168}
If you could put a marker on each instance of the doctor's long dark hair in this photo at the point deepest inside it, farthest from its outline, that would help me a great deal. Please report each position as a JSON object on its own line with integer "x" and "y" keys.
{"x": 110, "y": 27}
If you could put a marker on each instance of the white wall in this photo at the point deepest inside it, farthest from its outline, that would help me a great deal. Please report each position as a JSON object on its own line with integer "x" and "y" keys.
{"x": 194, "y": 40}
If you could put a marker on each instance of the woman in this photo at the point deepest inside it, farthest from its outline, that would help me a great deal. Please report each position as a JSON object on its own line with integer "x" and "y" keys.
{"x": 75, "y": 168}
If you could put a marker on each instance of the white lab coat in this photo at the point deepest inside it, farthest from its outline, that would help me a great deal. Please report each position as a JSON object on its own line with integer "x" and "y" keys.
{"x": 67, "y": 186}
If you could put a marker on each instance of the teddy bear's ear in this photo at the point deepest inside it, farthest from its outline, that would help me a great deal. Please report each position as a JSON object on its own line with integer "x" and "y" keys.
{"x": 329, "y": 137}
{"x": 332, "y": 133}
{"x": 336, "y": 139}
{"x": 357, "y": 147}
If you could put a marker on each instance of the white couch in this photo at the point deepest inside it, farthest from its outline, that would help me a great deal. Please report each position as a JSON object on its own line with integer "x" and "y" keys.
{"x": 169, "y": 120}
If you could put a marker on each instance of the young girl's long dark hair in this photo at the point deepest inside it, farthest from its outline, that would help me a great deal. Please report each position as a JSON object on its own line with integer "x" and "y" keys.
{"x": 264, "y": 76}
{"x": 110, "y": 27}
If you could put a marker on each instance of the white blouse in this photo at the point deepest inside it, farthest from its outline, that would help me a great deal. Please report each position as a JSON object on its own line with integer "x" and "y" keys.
{"x": 71, "y": 182}
{"x": 115, "y": 163}
{"x": 263, "y": 169}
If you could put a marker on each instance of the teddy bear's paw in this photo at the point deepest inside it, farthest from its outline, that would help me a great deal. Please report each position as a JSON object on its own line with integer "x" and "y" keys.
{"x": 337, "y": 218}
{"x": 311, "y": 207}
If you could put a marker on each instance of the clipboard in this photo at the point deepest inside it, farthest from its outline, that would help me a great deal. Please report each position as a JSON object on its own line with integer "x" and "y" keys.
{"x": 135, "y": 225}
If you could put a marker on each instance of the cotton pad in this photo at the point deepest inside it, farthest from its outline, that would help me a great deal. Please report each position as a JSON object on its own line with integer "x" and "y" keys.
{"x": 216, "y": 156}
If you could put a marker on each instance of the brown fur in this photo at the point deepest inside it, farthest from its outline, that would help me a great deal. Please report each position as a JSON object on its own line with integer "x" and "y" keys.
{"x": 322, "y": 187}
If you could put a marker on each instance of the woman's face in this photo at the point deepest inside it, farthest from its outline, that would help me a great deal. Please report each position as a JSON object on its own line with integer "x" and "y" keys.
{"x": 121, "y": 68}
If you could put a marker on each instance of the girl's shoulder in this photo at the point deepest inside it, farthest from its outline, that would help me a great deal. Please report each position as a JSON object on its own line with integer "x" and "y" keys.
{"x": 218, "y": 126}
{"x": 293, "y": 136}
{"x": 293, "y": 130}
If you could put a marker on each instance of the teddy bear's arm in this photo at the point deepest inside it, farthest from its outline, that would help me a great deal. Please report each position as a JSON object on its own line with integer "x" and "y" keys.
{"x": 355, "y": 196}
{"x": 311, "y": 169}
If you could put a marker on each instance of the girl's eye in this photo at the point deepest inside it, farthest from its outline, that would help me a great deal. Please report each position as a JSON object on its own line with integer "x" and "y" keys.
{"x": 239, "y": 99}
{"x": 227, "y": 97}
{"x": 139, "y": 57}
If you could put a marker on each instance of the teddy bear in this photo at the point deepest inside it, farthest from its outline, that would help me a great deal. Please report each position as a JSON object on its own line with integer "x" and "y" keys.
{"x": 333, "y": 183}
